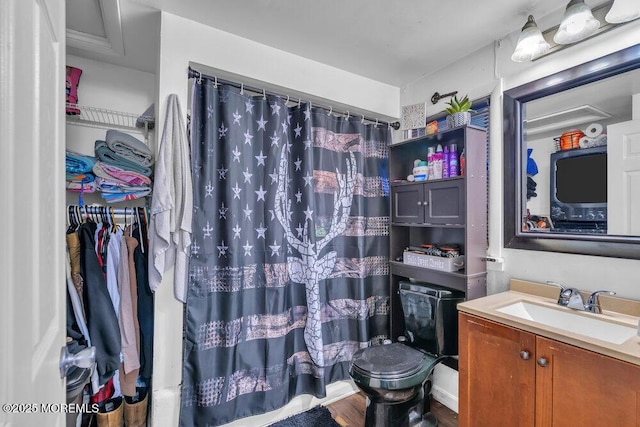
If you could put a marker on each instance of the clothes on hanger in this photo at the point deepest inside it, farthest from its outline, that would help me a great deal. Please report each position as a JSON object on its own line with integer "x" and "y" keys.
{"x": 107, "y": 269}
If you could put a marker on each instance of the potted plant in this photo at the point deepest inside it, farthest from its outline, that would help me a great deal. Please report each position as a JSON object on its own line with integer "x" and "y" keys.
{"x": 459, "y": 111}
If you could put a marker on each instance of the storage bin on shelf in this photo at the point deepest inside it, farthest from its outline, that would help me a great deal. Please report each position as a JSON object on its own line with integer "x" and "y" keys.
{"x": 448, "y": 264}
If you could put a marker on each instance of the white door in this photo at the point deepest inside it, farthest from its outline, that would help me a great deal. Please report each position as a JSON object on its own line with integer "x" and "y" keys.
{"x": 623, "y": 178}
{"x": 32, "y": 211}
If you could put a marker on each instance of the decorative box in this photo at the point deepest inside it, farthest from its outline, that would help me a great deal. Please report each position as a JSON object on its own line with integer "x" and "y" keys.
{"x": 414, "y": 116}
{"x": 433, "y": 262}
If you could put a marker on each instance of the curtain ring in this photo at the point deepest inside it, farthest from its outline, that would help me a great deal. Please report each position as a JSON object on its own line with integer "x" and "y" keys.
{"x": 287, "y": 101}
{"x": 330, "y": 111}
{"x": 299, "y": 102}
{"x": 362, "y": 121}
{"x": 241, "y": 88}
{"x": 347, "y": 118}
{"x": 376, "y": 125}
{"x": 215, "y": 82}
{"x": 199, "y": 77}
{"x": 264, "y": 94}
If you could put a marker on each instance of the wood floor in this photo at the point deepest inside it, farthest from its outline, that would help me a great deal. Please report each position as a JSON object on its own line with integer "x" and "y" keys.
{"x": 349, "y": 412}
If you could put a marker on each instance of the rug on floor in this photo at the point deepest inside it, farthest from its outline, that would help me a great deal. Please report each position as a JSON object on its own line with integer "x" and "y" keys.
{"x": 314, "y": 417}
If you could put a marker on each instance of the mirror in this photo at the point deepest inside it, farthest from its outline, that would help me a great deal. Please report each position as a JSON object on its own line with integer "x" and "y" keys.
{"x": 571, "y": 184}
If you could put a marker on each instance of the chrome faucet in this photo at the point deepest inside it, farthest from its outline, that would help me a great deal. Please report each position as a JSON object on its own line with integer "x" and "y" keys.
{"x": 593, "y": 303}
{"x": 572, "y": 298}
{"x": 564, "y": 297}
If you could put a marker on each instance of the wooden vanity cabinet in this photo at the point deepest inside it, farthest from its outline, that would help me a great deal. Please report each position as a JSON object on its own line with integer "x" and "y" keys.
{"x": 497, "y": 380}
{"x": 510, "y": 377}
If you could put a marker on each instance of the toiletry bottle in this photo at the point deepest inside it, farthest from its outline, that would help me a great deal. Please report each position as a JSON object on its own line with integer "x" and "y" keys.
{"x": 437, "y": 163}
{"x": 445, "y": 162}
{"x": 462, "y": 163}
{"x": 453, "y": 161}
{"x": 430, "y": 161}
{"x": 420, "y": 170}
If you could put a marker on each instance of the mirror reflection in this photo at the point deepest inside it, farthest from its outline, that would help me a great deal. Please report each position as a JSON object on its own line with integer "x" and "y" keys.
{"x": 582, "y": 165}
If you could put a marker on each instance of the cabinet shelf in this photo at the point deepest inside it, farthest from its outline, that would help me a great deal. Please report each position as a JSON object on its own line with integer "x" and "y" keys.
{"x": 421, "y": 225}
{"x": 457, "y": 280}
{"x": 439, "y": 211}
{"x": 399, "y": 183}
{"x": 110, "y": 119}
{"x": 437, "y": 137}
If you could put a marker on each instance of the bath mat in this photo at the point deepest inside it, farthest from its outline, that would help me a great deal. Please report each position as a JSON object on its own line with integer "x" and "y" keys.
{"x": 314, "y": 417}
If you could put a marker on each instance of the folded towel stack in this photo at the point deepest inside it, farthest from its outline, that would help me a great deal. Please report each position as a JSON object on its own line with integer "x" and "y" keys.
{"x": 79, "y": 170}
{"x": 123, "y": 169}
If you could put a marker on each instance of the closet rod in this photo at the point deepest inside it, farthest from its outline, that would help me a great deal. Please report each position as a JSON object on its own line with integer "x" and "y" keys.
{"x": 195, "y": 74}
{"x": 108, "y": 209}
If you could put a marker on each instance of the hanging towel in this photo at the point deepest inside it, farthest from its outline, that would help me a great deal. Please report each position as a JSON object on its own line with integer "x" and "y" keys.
{"x": 172, "y": 203}
{"x": 129, "y": 147}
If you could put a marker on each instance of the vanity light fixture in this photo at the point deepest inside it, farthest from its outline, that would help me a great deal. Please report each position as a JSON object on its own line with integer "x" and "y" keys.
{"x": 623, "y": 11}
{"x": 530, "y": 44}
{"x": 577, "y": 23}
{"x": 597, "y": 20}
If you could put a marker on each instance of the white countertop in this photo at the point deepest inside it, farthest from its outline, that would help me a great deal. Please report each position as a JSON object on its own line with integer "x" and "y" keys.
{"x": 618, "y": 310}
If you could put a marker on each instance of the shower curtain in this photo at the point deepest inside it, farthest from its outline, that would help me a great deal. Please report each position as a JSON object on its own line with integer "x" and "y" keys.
{"x": 288, "y": 273}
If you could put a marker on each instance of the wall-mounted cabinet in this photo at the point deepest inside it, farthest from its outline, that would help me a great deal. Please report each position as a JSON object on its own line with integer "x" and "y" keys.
{"x": 437, "y": 202}
{"x": 440, "y": 212}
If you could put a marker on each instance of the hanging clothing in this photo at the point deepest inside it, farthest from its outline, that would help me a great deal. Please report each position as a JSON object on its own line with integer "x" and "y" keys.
{"x": 128, "y": 319}
{"x": 102, "y": 322}
{"x": 288, "y": 273}
{"x": 172, "y": 203}
{"x": 145, "y": 303}
{"x": 73, "y": 249}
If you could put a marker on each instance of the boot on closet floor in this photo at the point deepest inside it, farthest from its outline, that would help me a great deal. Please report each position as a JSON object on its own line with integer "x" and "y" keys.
{"x": 135, "y": 414}
{"x": 113, "y": 415}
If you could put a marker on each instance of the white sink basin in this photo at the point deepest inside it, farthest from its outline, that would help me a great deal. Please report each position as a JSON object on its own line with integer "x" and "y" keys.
{"x": 570, "y": 321}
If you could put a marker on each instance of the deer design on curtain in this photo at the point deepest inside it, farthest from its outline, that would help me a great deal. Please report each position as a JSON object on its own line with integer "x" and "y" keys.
{"x": 288, "y": 272}
{"x": 310, "y": 268}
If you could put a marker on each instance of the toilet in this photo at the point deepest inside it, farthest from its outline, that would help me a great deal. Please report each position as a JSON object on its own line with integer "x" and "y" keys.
{"x": 394, "y": 376}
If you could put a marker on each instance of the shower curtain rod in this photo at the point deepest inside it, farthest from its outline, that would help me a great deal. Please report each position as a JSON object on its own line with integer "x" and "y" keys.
{"x": 195, "y": 74}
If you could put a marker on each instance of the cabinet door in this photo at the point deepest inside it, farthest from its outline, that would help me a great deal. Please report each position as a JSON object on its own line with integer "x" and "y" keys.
{"x": 444, "y": 202}
{"x": 407, "y": 204}
{"x": 578, "y": 387}
{"x": 496, "y": 374}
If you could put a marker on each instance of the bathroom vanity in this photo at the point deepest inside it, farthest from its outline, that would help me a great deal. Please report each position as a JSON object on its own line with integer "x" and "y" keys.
{"x": 527, "y": 368}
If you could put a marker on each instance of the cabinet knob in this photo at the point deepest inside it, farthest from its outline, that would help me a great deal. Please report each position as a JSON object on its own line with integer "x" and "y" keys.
{"x": 542, "y": 362}
{"x": 419, "y": 203}
{"x": 525, "y": 355}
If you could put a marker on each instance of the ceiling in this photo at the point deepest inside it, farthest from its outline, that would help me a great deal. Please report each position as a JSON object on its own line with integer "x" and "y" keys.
{"x": 395, "y": 42}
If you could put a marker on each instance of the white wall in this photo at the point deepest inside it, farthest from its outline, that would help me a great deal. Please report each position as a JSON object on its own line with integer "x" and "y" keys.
{"x": 490, "y": 71}
{"x": 183, "y": 41}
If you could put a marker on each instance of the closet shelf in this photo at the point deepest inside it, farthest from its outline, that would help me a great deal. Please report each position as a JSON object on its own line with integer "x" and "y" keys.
{"x": 110, "y": 119}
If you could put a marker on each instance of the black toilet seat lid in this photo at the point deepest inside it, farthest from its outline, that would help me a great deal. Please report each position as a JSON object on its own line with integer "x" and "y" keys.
{"x": 388, "y": 361}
